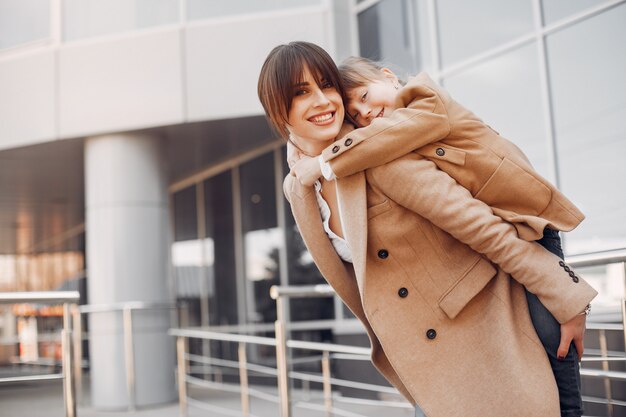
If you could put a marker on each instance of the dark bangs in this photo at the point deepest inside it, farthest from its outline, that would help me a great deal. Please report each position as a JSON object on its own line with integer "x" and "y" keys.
{"x": 283, "y": 69}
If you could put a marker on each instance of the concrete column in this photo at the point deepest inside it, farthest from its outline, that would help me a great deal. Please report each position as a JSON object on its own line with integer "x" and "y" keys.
{"x": 127, "y": 260}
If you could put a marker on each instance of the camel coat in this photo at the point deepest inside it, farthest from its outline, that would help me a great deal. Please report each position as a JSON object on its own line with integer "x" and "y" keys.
{"x": 448, "y": 328}
{"x": 491, "y": 167}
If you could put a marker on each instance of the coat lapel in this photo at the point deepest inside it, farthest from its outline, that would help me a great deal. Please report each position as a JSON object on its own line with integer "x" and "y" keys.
{"x": 353, "y": 207}
{"x": 307, "y": 215}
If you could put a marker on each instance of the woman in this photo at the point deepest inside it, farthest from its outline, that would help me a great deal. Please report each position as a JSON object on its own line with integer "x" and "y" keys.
{"x": 406, "y": 249}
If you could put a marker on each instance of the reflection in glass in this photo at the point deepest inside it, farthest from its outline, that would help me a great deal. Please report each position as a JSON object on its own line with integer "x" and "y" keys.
{"x": 558, "y": 9}
{"x": 506, "y": 93}
{"x": 587, "y": 63}
{"x": 393, "y": 44}
{"x": 23, "y": 21}
{"x": 87, "y": 18}
{"x": 261, "y": 236}
{"x": 467, "y": 28}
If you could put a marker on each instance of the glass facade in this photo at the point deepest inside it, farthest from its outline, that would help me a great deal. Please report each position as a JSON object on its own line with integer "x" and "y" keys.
{"x": 23, "y": 21}
{"x": 535, "y": 86}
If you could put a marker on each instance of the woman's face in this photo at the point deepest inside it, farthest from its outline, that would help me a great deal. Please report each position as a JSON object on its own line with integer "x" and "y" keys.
{"x": 316, "y": 113}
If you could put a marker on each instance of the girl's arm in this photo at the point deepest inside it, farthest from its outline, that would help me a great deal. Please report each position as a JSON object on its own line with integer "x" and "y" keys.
{"x": 417, "y": 184}
{"x": 420, "y": 119}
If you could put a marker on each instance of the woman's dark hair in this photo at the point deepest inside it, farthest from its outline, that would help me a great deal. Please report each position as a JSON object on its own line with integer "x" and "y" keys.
{"x": 283, "y": 69}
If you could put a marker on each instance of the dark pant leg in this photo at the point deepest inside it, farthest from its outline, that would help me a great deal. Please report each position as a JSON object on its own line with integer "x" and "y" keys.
{"x": 566, "y": 371}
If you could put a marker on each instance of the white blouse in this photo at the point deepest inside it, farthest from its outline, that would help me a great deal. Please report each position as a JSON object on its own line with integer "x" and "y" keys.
{"x": 339, "y": 243}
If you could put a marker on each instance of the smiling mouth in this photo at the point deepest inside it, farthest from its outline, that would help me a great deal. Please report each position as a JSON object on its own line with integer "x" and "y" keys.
{"x": 323, "y": 119}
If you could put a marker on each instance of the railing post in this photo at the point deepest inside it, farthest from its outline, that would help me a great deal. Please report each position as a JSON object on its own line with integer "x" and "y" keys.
{"x": 243, "y": 380}
{"x": 78, "y": 353}
{"x": 328, "y": 400}
{"x": 182, "y": 375}
{"x": 281, "y": 358}
{"x": 129, "y": 356}
{"x": 66, "y": 348}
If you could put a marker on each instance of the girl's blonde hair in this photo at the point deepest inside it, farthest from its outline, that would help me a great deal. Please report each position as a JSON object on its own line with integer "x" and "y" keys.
{"x": 356, "y": 71}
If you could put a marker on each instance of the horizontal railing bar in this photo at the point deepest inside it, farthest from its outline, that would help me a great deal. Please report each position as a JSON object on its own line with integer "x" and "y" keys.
{"x": 603, "y": 359}
{"x": 128, "y": 305}
{"x": 214, "y": 409}
{"x": 597, "y": 258}
{"x": 39, "y": 297}
{"x": 263, "y": 395}
{"x": 375, "y": 403}
{"x": 220, "y": 386}
{"x": 343, "y": 383}
{"x": 349, "y": 357}
{"x": 46, "y": 377}
{"x": 356, "y": 350}
{"x": 41, "y": 337}
{"x": 227, "y": 337}
{"x": 301, "y": 291}
{"x": 232, "y": 364}
{"x": 598, "y": 373}
{"x": 598, "y": 400}
{"x": 590, "y": 352}
{"x": 334, "y": 411}
{"x": 604, "y": 326}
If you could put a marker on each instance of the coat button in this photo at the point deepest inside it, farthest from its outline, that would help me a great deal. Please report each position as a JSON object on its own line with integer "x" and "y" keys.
{"x": 440, "y": 151}
{"x": 403, "y": 292}
{"x": 383, "y": 254}
{"x": 572, "y": 274}
{"x": 348, "y": 142}
{"x": 335, "y": 149}
{"x": 561, "y": 263}
{"x": 575, "y": 279}
{"x": 431, "y": 334}
{"x": 566, "y": 268}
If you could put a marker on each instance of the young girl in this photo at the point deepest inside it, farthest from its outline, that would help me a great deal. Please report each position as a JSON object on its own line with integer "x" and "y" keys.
{"x": 422, "y": 117}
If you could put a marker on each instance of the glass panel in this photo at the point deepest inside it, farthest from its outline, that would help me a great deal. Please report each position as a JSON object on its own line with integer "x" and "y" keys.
{"x": 203, "y": 9}
{"x": 87, "y": 18}
{"x": 385, "y": 35}
{"x": 467, "y": 28}
{"x": 589, "y": 93}
{"x": 302, "y": 270}
{"x": 23, "y": 21}
{"x": 557, "y": 9}
{"x": 608, "y": 280}
{"x": 219, "y": 249}
{"x": 261, "y": 236}
{"x": 506, "y": 93}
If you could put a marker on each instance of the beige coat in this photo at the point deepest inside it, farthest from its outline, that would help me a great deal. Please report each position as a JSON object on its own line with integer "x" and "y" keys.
{"x": 492, "y": 168}
{"x": 449, "y": 329}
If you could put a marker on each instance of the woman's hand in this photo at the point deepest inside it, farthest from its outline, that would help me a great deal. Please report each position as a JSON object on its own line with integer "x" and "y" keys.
{"x": 572, "y": 331}
{"x": 307, "y": 170}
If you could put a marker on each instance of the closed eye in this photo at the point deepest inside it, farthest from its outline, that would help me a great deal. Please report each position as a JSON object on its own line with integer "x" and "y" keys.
{"x": 364, "y": 97}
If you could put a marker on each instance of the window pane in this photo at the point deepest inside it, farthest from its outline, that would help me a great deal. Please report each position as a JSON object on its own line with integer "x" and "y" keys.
{"x": 557, "y": 9}
{"x": 385, "y": 35}
{"x": 467, "y": 28}
{"x": 87, "y": 18}
{"x": 506, "y": 93}
{"x": 23, "y": 21}
{"x": 587, "y": 65}
{"x": 219, "y": 247}
{"x": 262, "y": 238}
{"x": 203, "y": 9}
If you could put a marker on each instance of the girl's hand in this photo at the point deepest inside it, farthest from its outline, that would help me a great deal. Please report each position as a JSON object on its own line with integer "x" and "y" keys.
{"x": 293, "y": 154}
{"x": 572, "y": 331}
{"x": 307, "y": 170}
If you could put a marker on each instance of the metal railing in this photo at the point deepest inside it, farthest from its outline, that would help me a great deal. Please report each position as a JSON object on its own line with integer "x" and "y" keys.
{"x": 67, "y": 298}
{"x": 333, "y": 351}
{"x": 127, "y": 309}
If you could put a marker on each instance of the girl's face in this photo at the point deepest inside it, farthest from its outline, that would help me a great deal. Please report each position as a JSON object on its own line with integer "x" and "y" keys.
{"x": 375, "y": 99}
{"x": 316, "y": 113}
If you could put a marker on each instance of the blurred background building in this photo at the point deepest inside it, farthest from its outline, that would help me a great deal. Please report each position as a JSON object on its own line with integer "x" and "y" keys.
{"x": 136, "y": 163}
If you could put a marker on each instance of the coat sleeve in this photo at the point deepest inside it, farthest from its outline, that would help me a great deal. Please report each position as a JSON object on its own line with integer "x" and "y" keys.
{"x": 417, "y": 184}
{"x": 420, "y": 119}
